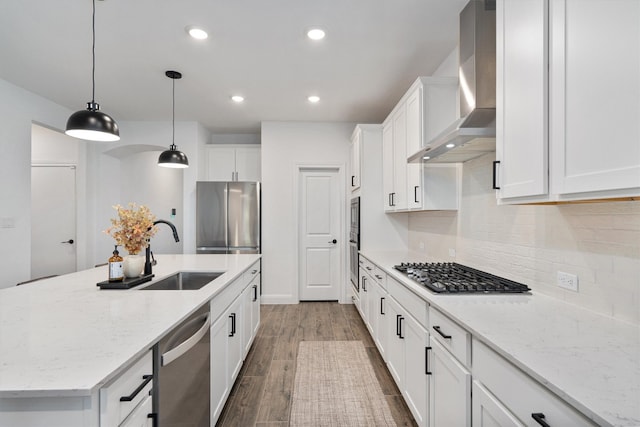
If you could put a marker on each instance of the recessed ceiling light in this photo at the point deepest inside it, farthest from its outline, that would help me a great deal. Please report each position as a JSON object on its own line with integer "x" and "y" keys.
{"x": 315, "y": 34}
{"x": 314, "y": 99}
{"x": 197, "y": 33}
{"x": 426, "y": 157}
{"x": 450, "y": 145}
{"x": 237, "y": 98}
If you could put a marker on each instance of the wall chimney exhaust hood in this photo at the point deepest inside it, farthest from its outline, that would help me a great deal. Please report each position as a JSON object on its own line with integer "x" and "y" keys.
{"x": 474, "y": 133}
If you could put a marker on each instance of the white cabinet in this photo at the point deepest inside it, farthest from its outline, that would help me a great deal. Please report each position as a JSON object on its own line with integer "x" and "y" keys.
{"x": 566, "y": 127}
{"x": 251, "y": 301}
{"x": 449, "y": 389}
{"x": 425, "y": 110}
{"x": 226, "y": 355}
{"x": 356, "y": 159}
{"x": 377, "y": 310}
{"x": 365, "y": 280}
{"x": 487, "y": 411}
{"x": 142, "y": 416}
{"x": 125, "y": 394}
{"x": 531, "y": 401}
{"x": 233, "y": 162}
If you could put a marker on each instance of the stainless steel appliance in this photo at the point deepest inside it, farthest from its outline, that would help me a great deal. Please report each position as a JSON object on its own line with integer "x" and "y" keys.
{"x": 227, "y": 217}
{"x": 183, "y": 384}
{"x": 354, "y": 241}
{"x": 450, "y": 277}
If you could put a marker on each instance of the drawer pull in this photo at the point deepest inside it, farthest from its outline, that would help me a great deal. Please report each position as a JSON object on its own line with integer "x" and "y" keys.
{"x": 400, "y": 328}
{"x": 154, "y": 417}
{"x": 368, "y": 268}
{"x": 147, "y": 379}
{"x": 442, "y": 334}
{"x": 254, "y": 271}
{"x": 232, "y": 316}
{"x": 255, "y": 293}
{"x": 539, "y": 417}
{"x": 382, "y": 306}
{"x": 364, "y": 283}
{"x": 495, "y": 175}
{"x": 379, "y": 277}
{"x": 398, "y": 316}
{"x": 426, "y": 361}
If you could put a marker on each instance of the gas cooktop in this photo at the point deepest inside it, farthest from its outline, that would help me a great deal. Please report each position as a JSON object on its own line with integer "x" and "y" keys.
{"x": 450, "y": 277}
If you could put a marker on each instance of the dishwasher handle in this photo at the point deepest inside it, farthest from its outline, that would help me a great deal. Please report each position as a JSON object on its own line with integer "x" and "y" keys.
{"x": 187, "y": 344}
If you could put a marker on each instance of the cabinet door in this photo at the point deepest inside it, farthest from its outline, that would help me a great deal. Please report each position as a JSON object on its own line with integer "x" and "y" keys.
{"x": 379, "y": 298}
{"x": 522, "y": 98}
{"x": 387, "y": 166}
{"x": 356, "y": 149}
{"x": 221, "y": 163}
{"x": 489, "y": 412}
{"x": 416, "y": 340}
{"x": 395, "y": 345}
{"x": 237, "y": 319}
{"x": 247, "y": 326}
{"x": 449, "y": 389}
{"x": 595, "y": 101}
{"x": 414, "y": 130}
{"x": 220, "y": 384}
{"x": 399, "y": 198}
{"x": 365, "y": 283}
{"x": 255, "y": 307}
{"x": 248, "y": 164}
{"x": 140, "y": 416}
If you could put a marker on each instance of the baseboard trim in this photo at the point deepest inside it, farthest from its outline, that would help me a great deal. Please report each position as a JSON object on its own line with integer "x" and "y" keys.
{"x": 278, "y": 299}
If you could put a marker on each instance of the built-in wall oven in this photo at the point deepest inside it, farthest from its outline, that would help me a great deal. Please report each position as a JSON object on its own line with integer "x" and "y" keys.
{"x": 354, "y": 241}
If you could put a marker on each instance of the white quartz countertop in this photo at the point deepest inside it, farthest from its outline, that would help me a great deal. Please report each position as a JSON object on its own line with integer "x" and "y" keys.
{"x": 65, "y": 337}
{"x": 589, "y": 360}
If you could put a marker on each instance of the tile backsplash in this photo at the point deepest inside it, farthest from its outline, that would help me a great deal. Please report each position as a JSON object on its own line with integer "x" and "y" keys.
{"x": 598, "y": 242}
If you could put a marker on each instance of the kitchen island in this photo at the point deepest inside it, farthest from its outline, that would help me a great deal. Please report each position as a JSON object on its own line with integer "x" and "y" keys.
{"x": 569, "y": 355}
{"x": 64, "y": 338}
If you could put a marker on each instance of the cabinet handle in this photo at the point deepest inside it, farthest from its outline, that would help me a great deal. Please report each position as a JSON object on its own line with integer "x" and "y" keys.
{"x": 390, "y": 202}
{"x": 352, "y": 178}
{"x": 539, "y": 417}
{"x": 232, "y": 316}
{"x": 393, "y": 196}
{"x": 398, "y": 316}
{"x": 442, "y": 334}
{"x": 368, "y": 268}
{"x": 254, "y": 271}
{"x": 364, "y": 283}
{"x": 400, "y": 328}
{"x": 154, "y": 417}
{"x": 426, "y": 361}
{"x": 147, "y": 379}
{"x": 255, "y": 293}
{"x": 379, "y": 277}
{"x": 382, "y": 306}
{"x": 415, "y": 193}
{"x": 495, "y": 174}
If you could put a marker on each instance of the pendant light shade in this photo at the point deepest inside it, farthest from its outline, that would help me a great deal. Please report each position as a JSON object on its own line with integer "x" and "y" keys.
{"x": 173, "y": 158}
{"x": 91, "y": 123}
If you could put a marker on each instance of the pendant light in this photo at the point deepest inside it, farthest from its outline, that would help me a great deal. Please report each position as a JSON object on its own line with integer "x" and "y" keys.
{"x": 92, "y": 124}
{"x": 173, "y": 158}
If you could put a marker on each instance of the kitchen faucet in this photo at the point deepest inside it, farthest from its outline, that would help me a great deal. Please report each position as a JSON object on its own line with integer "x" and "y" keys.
{"x": 148, "y": 264}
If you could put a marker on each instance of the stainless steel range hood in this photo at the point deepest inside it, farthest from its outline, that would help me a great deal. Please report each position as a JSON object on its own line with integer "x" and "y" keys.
{"x": 474, "y": 133}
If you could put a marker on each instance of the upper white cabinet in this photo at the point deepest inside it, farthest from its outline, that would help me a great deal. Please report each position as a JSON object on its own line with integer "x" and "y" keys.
{"x": 233, "y": 162}
{"x": 424, "y": 111}
{"x": 356, "y": 159}
{"x": 568, "y": 100}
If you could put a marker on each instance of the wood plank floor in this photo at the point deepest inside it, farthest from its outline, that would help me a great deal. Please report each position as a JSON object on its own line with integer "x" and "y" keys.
{"x": 262, "y": 393}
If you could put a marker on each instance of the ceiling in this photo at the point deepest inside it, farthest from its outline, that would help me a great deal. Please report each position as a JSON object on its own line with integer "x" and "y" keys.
{"x": 373, "y": 51}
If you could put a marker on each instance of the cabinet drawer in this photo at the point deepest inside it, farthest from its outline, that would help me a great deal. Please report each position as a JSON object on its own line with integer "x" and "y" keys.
{"x": 502, "y": 378}
{"x": 379, "y": 276}
{"x": 140, "y": 416}
{"x": 411, "y": 302}
{"x": 454, "y": 338}
{"x": 120, "y": 397}
{"x": 367, "y": 265}
{"x": 251, "y": 272}
{"x": 223, "y": 300}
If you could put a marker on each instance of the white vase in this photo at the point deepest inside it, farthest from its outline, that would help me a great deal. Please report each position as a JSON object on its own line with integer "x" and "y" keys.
{"x": 133, "y": 265}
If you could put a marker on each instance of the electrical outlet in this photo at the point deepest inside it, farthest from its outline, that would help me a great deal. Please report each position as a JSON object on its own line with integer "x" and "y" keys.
{"x": 421, "y": 246}
{"x": 568, "y": 281}
{"x": 452, "y": 252}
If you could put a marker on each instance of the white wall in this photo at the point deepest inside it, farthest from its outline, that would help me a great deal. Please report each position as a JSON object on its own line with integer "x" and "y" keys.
{"x": 18, "y": 110}
{"x": 600, "y": 242}
{"x": 285, "y": 145}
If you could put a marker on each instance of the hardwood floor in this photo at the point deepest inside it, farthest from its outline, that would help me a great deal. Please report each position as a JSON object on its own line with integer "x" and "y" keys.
{"x": 262, "y": 393}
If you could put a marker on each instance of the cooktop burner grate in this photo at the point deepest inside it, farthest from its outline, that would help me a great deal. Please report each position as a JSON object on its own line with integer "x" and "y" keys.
{"x": 450, "y": 277}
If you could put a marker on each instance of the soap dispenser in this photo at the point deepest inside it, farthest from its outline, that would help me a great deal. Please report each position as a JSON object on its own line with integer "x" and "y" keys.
{"x": 116, "y": 271}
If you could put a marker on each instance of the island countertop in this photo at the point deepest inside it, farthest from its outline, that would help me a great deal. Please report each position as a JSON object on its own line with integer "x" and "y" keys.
{"x": 65, "y": 337}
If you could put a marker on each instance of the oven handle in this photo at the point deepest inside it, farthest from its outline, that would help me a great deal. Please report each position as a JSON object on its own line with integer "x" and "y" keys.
{"x": 187, "y": 344}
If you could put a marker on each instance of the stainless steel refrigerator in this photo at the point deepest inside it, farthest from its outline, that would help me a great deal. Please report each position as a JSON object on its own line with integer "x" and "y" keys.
{"x": 227, "y": 217}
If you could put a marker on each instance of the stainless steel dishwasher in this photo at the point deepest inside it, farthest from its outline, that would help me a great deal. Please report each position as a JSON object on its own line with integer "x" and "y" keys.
{"x": 182, "y": 359}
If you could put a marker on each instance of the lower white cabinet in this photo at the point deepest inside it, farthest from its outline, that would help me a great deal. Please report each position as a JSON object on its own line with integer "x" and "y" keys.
{"x": 407, "y": 341}
{"x": 251, "y": 307}
{"x": 449, "y": 389}
{"x": 488, "y": 411}
{"x": 141, "y": 416}
{"x": 226, "y": 355}
{"x": 377, "y": 311}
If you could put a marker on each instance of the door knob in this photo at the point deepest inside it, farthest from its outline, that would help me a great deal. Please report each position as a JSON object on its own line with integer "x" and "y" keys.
{"x": 70, "y": 241}
{"x": 334, "y": 241}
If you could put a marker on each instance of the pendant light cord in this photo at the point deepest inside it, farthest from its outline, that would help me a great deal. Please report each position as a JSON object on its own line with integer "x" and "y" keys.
{"x": 173, "y": 116}
{"x": 93, "y": 55}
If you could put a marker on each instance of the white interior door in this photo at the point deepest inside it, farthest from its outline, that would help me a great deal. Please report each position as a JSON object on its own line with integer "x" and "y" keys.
{"x": 53, "y": 220}
{"x": 320, "y": 227}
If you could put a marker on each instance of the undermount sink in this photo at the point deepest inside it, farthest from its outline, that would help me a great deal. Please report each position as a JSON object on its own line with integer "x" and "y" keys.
{"x": 183, "y": 281}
